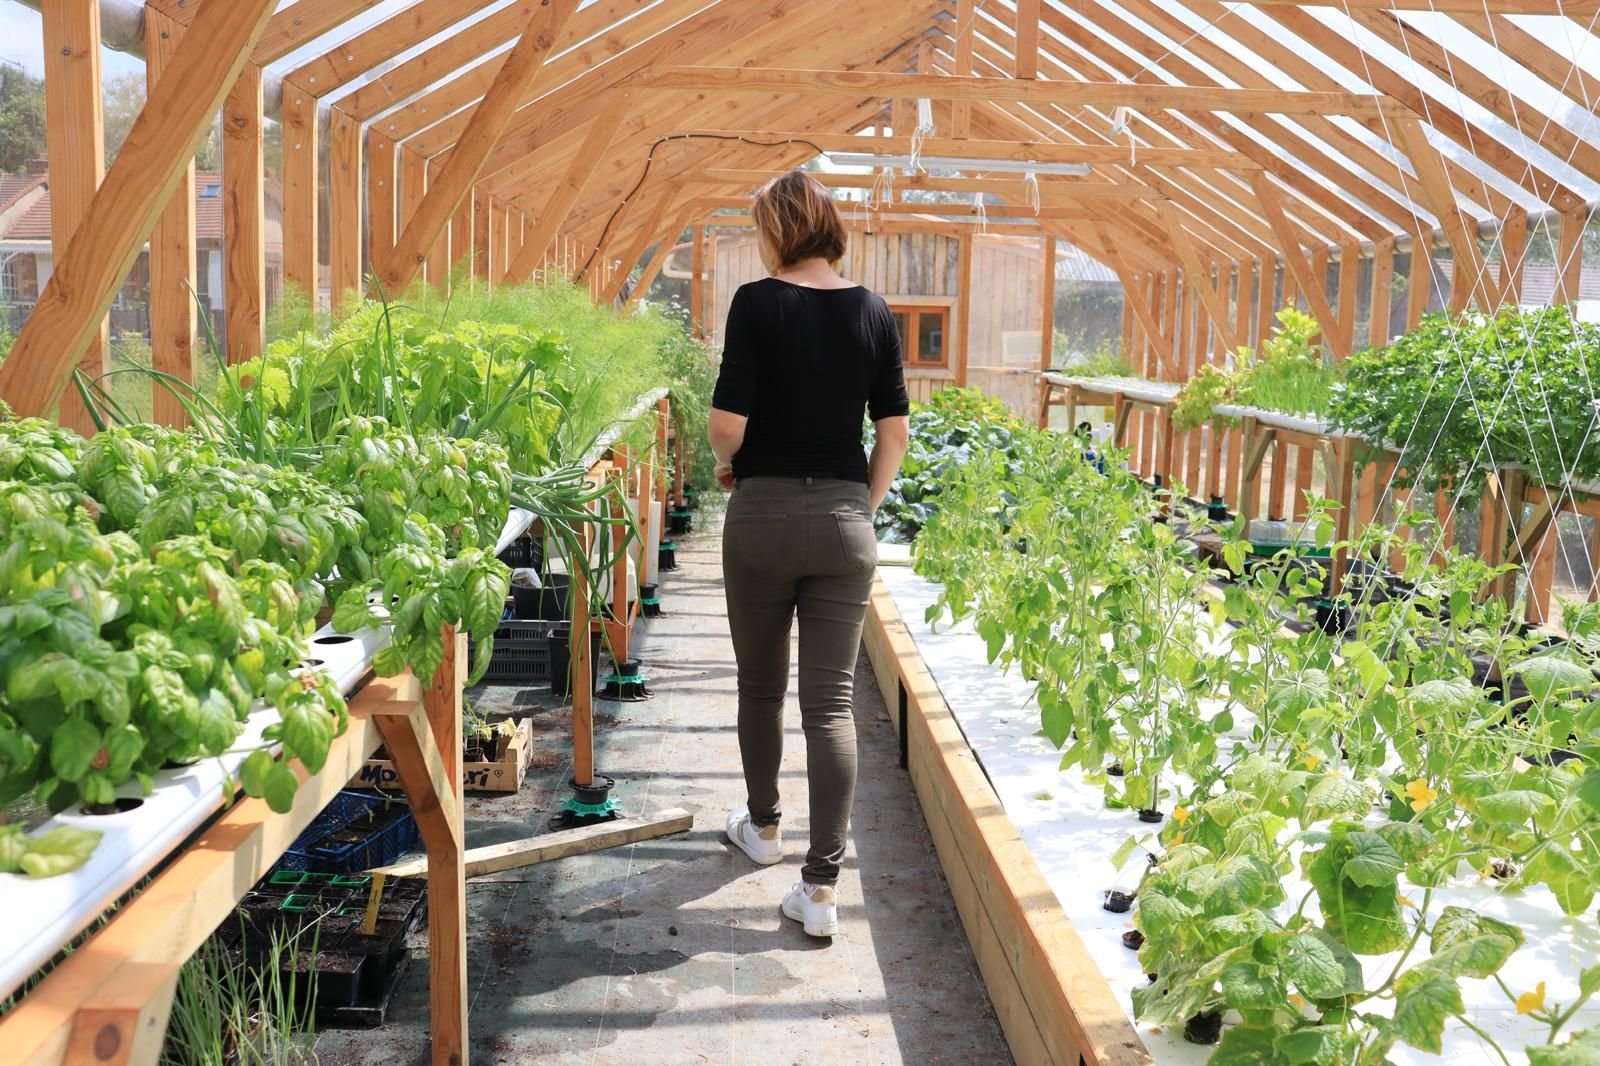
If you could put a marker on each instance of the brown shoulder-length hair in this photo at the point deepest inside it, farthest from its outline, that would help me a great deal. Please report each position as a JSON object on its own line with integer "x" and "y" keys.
{"x": 799, "y": 219}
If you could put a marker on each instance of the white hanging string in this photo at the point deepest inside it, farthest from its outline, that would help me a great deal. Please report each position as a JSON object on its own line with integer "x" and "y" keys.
{"x": 983, "y": 212}
{"x": 920, "y": 134}
{"x": 882, "y": 191}
{"x": 1030, "y": 188}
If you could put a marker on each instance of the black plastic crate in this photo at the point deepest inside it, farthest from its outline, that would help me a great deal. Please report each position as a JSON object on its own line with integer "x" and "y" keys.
{"x": 526, "y": 551}
{"x": 357, "y": 831}
{"x": 521, "y": 652}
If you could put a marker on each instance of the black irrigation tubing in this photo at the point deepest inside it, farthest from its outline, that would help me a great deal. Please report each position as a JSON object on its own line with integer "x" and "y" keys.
{"x": 645, "y": 173}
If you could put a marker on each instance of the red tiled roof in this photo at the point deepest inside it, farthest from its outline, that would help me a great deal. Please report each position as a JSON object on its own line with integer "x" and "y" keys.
{"x": 13, "y": 186}
{"x": 34, "y": 223}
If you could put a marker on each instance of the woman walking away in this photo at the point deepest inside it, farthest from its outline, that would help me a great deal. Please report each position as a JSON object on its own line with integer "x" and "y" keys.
{"x": 805, "y": 353}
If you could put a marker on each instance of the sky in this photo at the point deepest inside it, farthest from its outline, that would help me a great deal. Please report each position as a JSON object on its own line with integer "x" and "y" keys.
{"x": 22, "y": 43}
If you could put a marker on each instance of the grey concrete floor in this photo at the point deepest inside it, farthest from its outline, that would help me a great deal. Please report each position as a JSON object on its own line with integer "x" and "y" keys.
{"x": 674, "y": 951}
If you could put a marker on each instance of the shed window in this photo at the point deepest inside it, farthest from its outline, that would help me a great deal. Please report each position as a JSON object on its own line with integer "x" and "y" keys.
{"x": 922, "y": 334}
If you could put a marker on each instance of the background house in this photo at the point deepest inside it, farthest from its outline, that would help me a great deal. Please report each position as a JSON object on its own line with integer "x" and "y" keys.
{"x": 26, "y": 257}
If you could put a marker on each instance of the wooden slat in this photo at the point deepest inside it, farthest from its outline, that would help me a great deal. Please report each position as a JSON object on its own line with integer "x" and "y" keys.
{"x": 74, "y": 139}
{"x": 1382, "y": 286}
{"x": 563, "y": 844}
{"x": 244, "y": 249}
{"x": 488, "y": 122}
{"x": 548, "y": 222}
{"x": 1027, "y": 38}
{"x": 1067, "y": 94}
{"x": 300, "y": 207}
{"x": 172, "y": 254}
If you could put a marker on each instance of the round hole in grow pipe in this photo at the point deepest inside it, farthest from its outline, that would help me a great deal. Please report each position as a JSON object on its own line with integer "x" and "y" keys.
{"x": 120, "y": 805}
{"x": 308, "y": 664}
{"x": 332, "y": 639}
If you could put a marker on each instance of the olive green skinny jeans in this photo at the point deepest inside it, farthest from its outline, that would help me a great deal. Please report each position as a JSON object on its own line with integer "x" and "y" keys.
{"x": 799, "y": 547}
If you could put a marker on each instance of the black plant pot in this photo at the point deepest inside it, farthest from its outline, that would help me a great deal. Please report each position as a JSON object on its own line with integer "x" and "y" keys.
{"x": 1216, "y": 510}
{"x": 1151, "y": 815}
{"x": 679, "y": 523}
{"x": 625, "y": 683}
{"x": 650, "y": 601}
{"x": 1332, "y": 618}
{"x": 561, "y": 660}
{"x": 667, "y": 557}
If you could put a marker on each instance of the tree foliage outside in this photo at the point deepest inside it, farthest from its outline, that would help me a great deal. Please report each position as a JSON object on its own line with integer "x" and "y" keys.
{"x": 21, "y": 118}
{"x": 124, "y": 98}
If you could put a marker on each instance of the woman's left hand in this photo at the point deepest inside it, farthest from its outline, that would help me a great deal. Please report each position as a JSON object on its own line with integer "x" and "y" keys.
{"x": 724, "y": 475}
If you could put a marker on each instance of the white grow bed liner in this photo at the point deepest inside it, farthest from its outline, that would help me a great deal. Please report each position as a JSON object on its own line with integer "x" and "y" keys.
{"x": 1072, "y": 837}
{"x": 43, "y": 915}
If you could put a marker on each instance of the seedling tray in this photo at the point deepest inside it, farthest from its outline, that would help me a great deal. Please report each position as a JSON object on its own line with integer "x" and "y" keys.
{"x": 355, "y": 832}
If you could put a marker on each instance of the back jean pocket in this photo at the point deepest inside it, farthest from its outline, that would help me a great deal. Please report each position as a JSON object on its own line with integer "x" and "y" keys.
{"x": 857, "y": 540}
{"x": 753, "y": 541}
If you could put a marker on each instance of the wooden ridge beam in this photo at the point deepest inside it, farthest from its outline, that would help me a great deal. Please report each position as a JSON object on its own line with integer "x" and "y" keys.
{"x": 1049, "y": 184}
{"x": 972, "y": 148}
{"x": 1067, "y": 94}
{"x": 122, "y": 214}
{"x": 488, "y": 122}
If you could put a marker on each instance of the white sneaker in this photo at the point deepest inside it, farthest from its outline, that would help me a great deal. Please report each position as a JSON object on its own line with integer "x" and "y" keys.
{"x": 763, "y": 845}
{"x": 814, "y": 907}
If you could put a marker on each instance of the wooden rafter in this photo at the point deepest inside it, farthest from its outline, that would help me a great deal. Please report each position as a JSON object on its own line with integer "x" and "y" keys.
{"x": 123, "y": 212}
{"x": 489, "y": 120}
{"x": 1334, "y": 332}
{"x": 1433, "y": 189}
{"x": 590, "y": 155}
{"x": 1027, "y": 38}
{"x": 1570, "y": 8}
{"x": 290, "y": 28}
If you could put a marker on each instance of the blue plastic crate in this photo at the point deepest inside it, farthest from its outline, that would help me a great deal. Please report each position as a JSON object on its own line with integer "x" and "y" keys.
{"x": 335, "y": 842}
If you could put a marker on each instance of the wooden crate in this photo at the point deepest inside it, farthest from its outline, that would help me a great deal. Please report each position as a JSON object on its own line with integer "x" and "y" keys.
{"x": 504, "y": 774}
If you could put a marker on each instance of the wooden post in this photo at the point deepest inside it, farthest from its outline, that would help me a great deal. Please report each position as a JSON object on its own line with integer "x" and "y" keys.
{"x": 697, "y": 285}
{"x": 447, "y": 887}
{"x": 413, "y": 187}
{"x": 482, "y": 237}
{"x": 1421, "y": 279}
{"x": 1047, "y": 315}
{"x": 1513, "y": 256}
{"x": 244, "y": 247}
{"x": 344, "y": 208}
{"x": 1267, "y": 303}
{"x": 1349, "y": 273}
{"x": 172, "y": 267}
{"x": 382, "y": 198}
{"x": 300, "y": 191}
{"x": 1382, "y": 283}
{"x": 962, "y": 327}
{"x": 1569, "y": 261}
{"x": 76, "y": 143}
{"x": 122, "y": 214}
{"x": 621, "y": 616}
{"x": 461, "y": 233}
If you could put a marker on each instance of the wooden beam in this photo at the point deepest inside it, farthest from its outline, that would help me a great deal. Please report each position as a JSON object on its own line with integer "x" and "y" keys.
{"x": 1349, "y": 270}
{"x": 172, "y": 263}
{"x": 443, "y": 833}
{"x": 1382, "y": 287}
{"x": 697, "y": 286}
{"x": 288, "y": 29}
{"x": 592, "y": 152}
{"x": 344, "y": 208}
{"x": 244, "y": 249}
{"x": 632, "y": 253}
{"x": 1027, "y": 38}
{"x": 1047, "y": 301}
{"x": 1333, "y": 333}
{"x": 562, "y": 844}
{"x": 1023, "y": 151}
{"x": 1433, "y": 189}
{"x": 76, "y": 145}
{"x": 963, "y": 324}
{"x": 300, "y": 208}
{"x": 1197, "y": 276}
{"x": 1101, "y": 94}
{"x": 488, "y": 122}
{"x": 1513, "y": 255}
{"x": 1160, "y": 339}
